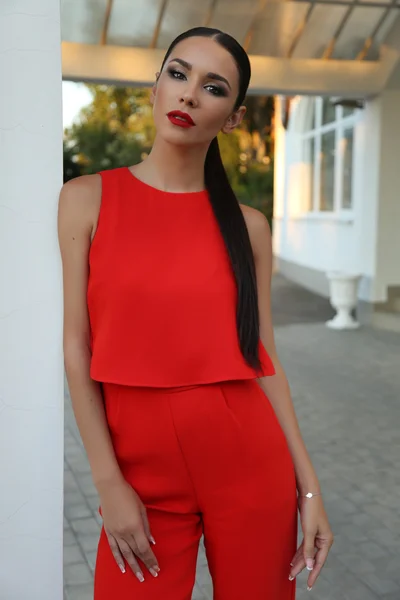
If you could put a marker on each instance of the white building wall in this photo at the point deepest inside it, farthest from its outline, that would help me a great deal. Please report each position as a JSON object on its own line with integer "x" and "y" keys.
{"x": 31, "y": 365}
{"x": 365, "y": 240}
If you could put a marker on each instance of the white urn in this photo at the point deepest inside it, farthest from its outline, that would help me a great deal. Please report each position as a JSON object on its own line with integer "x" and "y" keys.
{"x": 343, "y": 289}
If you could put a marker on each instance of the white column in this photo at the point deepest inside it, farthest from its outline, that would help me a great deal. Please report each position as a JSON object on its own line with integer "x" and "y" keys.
{"x": 280, "y": 180}
{"x": 31, "y": 367}
{"x": 378, "y": 205}
{"x": 388, "y": 238}
{"x": 366, "y": 166}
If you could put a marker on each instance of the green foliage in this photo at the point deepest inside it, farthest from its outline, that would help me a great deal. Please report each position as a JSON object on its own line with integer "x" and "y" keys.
{"x": 71, "y": 168}
{"x": 256, "y": 187}
{"x": 252, "y": 181}
{"x": 229, "y": 146}
{"x": 98, "y": 147}
{"x": 113, "y": 131}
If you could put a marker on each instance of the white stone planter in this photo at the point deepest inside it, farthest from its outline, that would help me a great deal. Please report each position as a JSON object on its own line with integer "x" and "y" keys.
{"x": 343, "y": 297}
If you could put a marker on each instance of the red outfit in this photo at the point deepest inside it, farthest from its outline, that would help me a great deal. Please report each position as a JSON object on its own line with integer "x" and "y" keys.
{"x": 161, "y": 292}
{"x": 193, "y": 432}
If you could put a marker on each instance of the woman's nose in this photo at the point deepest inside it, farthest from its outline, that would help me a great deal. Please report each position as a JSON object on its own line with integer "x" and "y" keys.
{"x": 189, "y": 99}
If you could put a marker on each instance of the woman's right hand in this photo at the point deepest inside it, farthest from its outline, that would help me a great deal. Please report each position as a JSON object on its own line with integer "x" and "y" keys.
{"x": 127, "y": 527}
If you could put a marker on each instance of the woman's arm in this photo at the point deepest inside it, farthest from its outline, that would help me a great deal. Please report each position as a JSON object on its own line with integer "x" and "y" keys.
{"x": 124, "y": 515}
{"x": 316, "y": 529}
{"x": 277, "y": 387}
{"x": 78, "y": 204}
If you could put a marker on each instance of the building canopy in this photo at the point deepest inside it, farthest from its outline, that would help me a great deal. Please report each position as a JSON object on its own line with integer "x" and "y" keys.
{"x": 330, "y": 47}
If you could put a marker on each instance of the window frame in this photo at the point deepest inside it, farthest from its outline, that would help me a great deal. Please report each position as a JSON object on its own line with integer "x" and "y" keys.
{"x": 339, "y": 126}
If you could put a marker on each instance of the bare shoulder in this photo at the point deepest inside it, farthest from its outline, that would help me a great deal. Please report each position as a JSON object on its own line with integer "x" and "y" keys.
{"x": 258, "y": 228}
{"x": 254, "y": 218}
{"x": 81, "y": 192}
{"x": 79, "y": 202}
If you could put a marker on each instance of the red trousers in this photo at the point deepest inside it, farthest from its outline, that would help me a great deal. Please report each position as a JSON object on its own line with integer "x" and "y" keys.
{"x": 208, "y": 459}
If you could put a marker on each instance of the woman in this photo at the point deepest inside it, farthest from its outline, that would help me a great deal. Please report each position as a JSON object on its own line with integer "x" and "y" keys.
{"x": 183, "y": 406}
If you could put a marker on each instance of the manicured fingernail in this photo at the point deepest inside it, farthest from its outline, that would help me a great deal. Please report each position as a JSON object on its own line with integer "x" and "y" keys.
{"x": 310, "y": 564}
{"x": 154, "y": 573}
{"x": 291, "y": 577}
{"x": 153, "y": 541}
{"x": 140, "y": 577}
{"x": 157, "y": 568}
{"x": 309, "y": 589}
{"x": 122, "y": 568}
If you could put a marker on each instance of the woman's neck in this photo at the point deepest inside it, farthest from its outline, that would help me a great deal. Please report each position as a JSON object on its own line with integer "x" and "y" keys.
{"x": 173, "y": 168}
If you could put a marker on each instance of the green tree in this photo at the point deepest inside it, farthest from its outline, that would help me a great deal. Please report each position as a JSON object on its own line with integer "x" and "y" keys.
{"x": 114, "y": 130}
{"x": 71, "y": 168}
{"x": 258, "y": 121}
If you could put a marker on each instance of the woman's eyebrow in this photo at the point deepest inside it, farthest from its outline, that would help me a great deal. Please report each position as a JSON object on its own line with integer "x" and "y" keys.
{"x": 188, "y": 66}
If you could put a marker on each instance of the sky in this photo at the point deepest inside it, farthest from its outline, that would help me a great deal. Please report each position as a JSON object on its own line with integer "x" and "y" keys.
{"x": 75, "y": 96}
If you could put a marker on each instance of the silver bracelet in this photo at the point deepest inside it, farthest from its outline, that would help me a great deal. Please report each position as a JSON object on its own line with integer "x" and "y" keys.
{"x": 310, "y": 495}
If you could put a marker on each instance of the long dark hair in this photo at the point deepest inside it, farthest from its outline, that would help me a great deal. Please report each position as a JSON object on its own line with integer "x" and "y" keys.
{"x": 227, "y": 210}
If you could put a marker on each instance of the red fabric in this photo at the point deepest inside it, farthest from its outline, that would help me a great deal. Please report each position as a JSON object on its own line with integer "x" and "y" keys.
{"x": 161, "y": 292}
{"x": 213, "y": 460}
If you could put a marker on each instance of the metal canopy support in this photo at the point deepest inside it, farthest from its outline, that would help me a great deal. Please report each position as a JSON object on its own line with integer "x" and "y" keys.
{"x": 349, "y": 3}
{"x": 129, "y": 66}
{"x": 250, "y": 31}
{"x": 331, "y": 46}
{"x": 370, "y": 39}
{"x": 300, "y": 29}
{"x": 156, "y": 33}
{"x": 210, "y": 13}
{"x": 107, "y": 16}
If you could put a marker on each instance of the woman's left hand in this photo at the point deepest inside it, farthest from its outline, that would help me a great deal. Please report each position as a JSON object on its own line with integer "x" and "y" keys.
{"x": 317, "y": 535}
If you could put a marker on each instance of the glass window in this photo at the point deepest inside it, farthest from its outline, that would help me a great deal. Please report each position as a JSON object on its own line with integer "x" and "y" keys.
{"x": 346, "y": 147}
{"x": 327, "y": 171}
{"x": 348, "y": 111}
{"x": 328, "y": 111}
{"x": 324, "y": 177}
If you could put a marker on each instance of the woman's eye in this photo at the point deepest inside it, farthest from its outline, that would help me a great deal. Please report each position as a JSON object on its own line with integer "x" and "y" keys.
{"x": 216, "y": 90}
{"x": 176, "y": 74}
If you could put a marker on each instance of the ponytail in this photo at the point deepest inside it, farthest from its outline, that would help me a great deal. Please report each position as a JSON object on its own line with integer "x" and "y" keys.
{"x": 227, "y": 210}
{"x": 236, "y": 237}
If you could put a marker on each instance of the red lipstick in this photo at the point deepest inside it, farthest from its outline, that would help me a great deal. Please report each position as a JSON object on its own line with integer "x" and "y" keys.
{"x": 180, "y": 118}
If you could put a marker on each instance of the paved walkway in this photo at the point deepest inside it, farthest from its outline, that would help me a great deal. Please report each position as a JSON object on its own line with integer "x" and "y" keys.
{"x": 346, "y": 391}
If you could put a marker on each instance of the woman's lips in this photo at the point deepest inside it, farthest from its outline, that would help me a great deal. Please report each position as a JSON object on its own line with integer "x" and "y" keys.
{"x": 180, "y": 119}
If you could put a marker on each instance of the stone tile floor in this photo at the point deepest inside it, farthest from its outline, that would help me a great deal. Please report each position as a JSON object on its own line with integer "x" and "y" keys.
{"x": 346, "y": 391}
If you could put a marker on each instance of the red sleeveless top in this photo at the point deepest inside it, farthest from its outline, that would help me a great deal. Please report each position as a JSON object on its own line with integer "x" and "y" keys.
{"x": 161, "y": 292}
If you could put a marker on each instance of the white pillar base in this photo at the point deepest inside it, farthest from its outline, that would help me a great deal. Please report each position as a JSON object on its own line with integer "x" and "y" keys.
{"x": 343, "y": 320}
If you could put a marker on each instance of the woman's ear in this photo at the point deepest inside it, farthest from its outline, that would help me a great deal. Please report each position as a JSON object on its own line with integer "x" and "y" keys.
{"x": 234, "y": 120}
{"x": 154, "y": 89}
